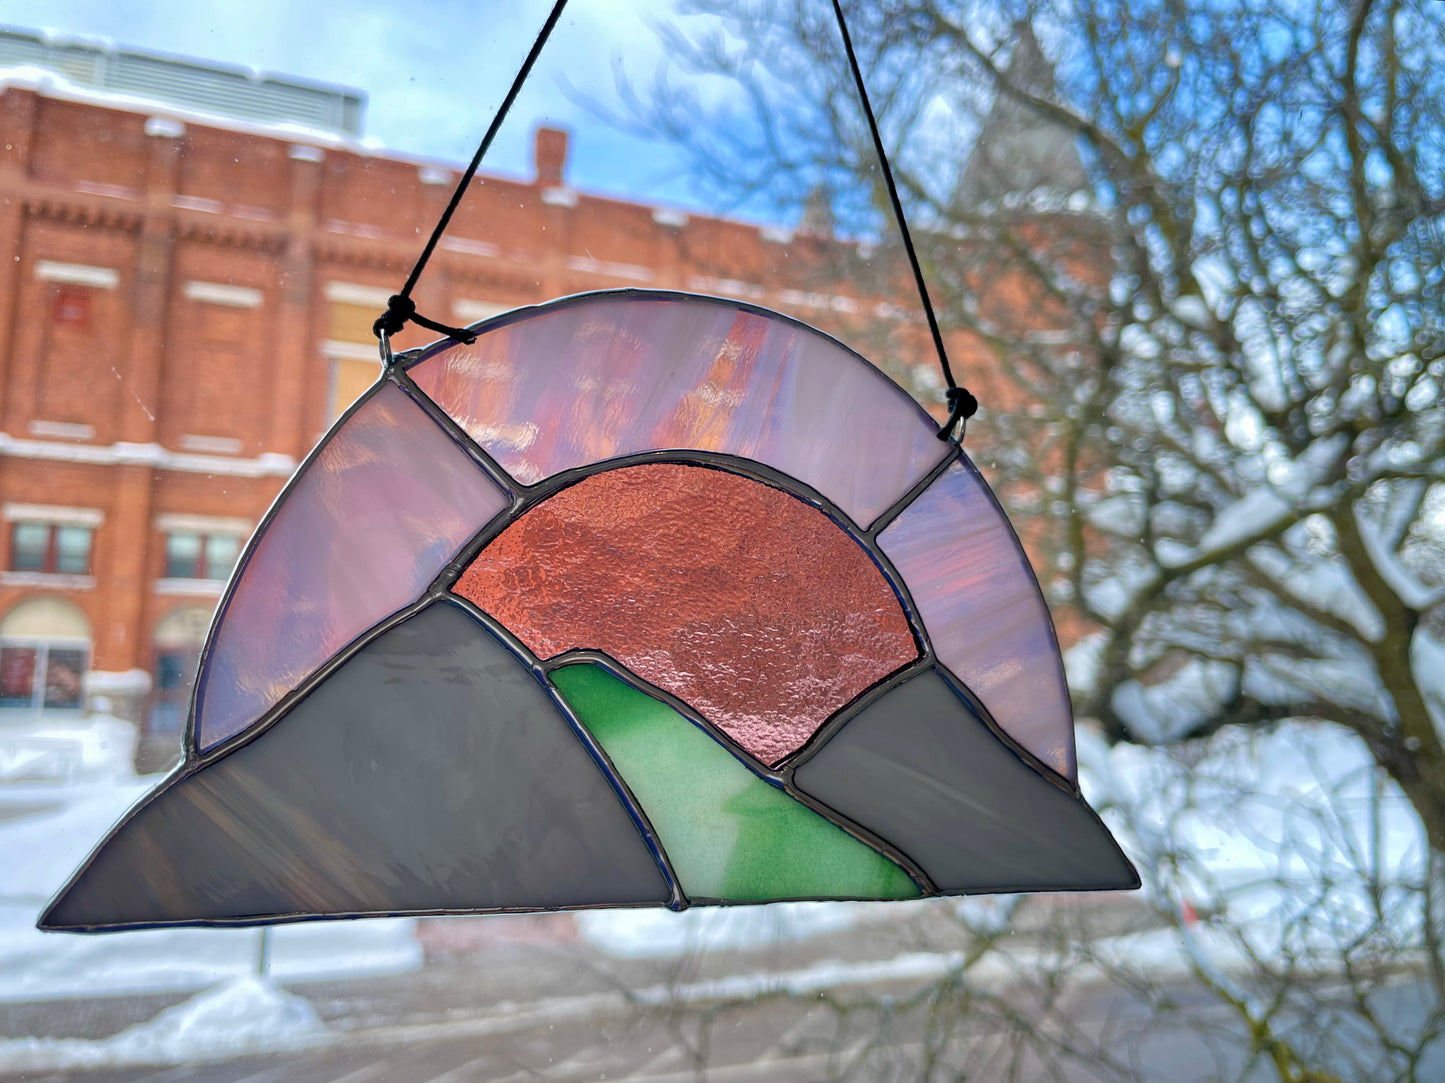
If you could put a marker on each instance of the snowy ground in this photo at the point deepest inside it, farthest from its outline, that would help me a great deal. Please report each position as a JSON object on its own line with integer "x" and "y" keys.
{"x": 1246, "y": 830}
{"x": 47, "y": 828}
{"x": 242, "y": 1015}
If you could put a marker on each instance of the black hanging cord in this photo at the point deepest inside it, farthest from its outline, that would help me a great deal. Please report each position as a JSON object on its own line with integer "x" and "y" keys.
{"x": 961, "y": 403}
{"x": 401, "y": 309}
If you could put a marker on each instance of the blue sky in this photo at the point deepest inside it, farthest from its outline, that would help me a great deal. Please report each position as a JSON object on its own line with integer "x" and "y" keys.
{"x": 433, "y": 70}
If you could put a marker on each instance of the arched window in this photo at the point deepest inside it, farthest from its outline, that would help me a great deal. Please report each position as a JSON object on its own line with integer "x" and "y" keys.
{"x": 45, "y": 646}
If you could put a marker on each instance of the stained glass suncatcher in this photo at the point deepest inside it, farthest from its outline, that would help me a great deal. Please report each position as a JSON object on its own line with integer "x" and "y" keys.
{"x": 643, "y": 599}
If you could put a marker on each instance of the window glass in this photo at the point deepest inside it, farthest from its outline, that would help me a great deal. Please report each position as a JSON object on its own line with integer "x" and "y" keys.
{"x": 221, "y": 551}
{"x": 71, "y": 307}
{"x": 1189, "y": 257}
{"x": 64, "y": 669}
{"x": 17, "y": 676}
{"x": 72, "y": 550}
{"x": 28, "y": 545}
{"x": 183, "y": 553}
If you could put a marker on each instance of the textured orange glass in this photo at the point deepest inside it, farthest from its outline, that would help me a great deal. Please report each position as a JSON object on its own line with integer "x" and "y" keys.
{"x": 751, "y": 606}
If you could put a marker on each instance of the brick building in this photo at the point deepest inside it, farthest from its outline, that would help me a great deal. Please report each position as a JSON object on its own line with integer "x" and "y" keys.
{"x": 186, "y": 305}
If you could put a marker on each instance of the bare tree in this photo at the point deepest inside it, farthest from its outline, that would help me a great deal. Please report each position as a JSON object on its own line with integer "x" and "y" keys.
{"x": 1196, "y": 268}
{"x": 1192, "y": 259}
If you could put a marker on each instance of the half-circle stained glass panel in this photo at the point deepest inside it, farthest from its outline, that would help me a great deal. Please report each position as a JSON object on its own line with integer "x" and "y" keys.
{"x": 644, "y": 599}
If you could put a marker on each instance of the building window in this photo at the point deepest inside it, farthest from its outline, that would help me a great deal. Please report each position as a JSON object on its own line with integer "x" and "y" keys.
{"x": 70, "y": 306}
{"x": 56, "y": 548}
{"x": 192, "y": 555}
{"x": 350, "y": 346}
{"x": 41, "y": 676}
{"x": 44, "y": 654}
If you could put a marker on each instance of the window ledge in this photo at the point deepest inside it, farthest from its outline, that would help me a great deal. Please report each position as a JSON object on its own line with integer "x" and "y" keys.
{"x": 54, "y": 580}
{"x": 203, "y": 588}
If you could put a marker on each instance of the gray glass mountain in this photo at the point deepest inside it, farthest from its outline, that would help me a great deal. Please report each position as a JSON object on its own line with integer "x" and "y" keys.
{"x": 919, "y": 768}
{"x": 430, "y": 771}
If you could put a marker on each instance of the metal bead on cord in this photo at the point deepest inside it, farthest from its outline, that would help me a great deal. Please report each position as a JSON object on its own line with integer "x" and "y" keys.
{"x": 401, "y": 309}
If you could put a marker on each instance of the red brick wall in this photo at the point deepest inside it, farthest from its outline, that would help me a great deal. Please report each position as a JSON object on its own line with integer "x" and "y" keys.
{"x": 82, "y": 183}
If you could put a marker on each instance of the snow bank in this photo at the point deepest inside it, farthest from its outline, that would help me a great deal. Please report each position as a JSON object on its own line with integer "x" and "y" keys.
{"x": 48, "y": 966}
{"x": 94, "y": 748}
{"x": 1254, "y": 825}
{"x": 241, "y": 1016}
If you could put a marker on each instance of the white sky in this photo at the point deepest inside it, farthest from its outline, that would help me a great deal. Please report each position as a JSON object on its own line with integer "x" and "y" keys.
{"x": 433, "y": 70}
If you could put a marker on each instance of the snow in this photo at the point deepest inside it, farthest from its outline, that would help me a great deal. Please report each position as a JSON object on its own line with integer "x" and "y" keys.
{"x": 122, "y": 682}
{"x": 267, "y": 464}
{"x": 192, "y": 1032}
{"x": 1191, "y": 311}
{"x": 915, "y": 966}
{"x": 58, "y": 826}
{"x": 49, "y": 966}
{"x": 244, "y": 1015}
{"x": 1392, "y": 570}
{"x": 97, "y": 747}
{"x": 1289, "y": 494}
{"x": 1252, "y": 825}
{"x": 1248, "y": 517}
{"x": 1324, "y": 584}
{"x": 54, "y": 85}
{"x": 1082, "y": 662}
{"x": 1171, "y": 709}
{"x": 1162, "y": 953}
{"x": 663, "y": 933}
{"x": 1113, "y": 595}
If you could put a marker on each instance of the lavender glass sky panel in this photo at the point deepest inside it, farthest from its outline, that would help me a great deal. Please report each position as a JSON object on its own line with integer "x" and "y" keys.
{"x": 371, "y": 521}
{"x": 605, "y": 376}
{"x": 983, "y": 610}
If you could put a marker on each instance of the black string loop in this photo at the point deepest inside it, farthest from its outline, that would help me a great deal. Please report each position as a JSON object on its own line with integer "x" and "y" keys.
{"x": 961, "y": 403}
{"x": 961, "y": 406}
{"x": 401, "y": 309}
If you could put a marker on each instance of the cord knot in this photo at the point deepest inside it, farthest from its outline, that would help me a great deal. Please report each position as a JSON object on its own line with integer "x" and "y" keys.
{"x": 400, "y": 310}
{"x": 962, "y": 405}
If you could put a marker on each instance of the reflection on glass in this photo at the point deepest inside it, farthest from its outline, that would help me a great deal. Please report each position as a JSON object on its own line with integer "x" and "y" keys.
{"x": 17, "y": 676}
{"x": 63, "y": 672}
